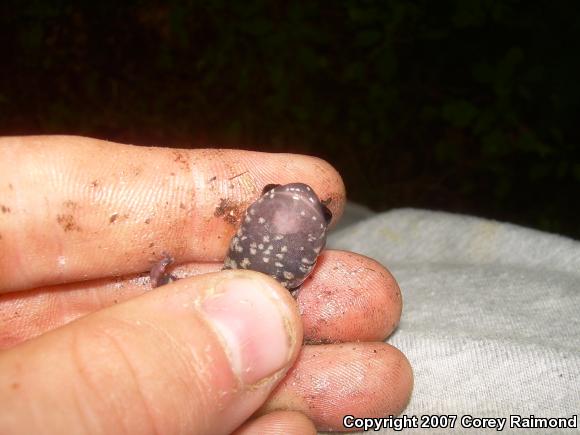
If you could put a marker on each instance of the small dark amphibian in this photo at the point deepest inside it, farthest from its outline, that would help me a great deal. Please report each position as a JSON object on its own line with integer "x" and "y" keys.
{"x": 281, "y": 234}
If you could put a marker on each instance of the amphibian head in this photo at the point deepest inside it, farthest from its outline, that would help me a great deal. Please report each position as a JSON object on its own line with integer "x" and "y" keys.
{"x": 281, "y": 234}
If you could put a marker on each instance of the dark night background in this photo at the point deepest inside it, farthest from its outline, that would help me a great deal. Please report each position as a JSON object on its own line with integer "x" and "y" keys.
{"x": 465, "y": 106}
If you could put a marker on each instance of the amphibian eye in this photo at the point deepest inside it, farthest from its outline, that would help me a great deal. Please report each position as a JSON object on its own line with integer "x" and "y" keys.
{"x": 327, "y": 214}
{"x": 269, "y": 187}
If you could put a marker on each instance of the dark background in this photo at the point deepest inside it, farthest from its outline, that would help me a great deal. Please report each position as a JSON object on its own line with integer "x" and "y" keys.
{"x": 466, "y": 106}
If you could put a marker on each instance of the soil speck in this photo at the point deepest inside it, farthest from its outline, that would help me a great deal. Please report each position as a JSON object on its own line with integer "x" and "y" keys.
{"x": 229, "y": 210}
{"x": 67, "y": 222}
{"x": 182, "y": 159}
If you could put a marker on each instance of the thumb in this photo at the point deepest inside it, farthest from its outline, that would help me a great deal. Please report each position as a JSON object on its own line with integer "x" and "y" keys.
{"x": 196, "y": 356}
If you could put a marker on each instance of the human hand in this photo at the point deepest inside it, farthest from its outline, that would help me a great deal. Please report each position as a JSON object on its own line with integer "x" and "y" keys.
{"x": 81, "y": 218}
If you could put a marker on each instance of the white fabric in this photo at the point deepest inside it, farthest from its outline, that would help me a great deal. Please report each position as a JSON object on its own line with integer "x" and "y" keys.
{"x": 491, "y": 314}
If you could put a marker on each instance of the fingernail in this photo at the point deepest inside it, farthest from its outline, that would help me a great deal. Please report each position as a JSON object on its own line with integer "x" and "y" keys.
{"x": 251, "y": 322}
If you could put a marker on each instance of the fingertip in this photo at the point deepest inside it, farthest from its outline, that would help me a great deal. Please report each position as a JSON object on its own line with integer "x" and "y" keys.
{"x": 402, "y": 379}
{"x": 331, "y": 381}
{"x": 257, "y": 321}
{"x": 330, "y": 188}
{"x": 350, "y": 298}
{"x": 284, "y": 168}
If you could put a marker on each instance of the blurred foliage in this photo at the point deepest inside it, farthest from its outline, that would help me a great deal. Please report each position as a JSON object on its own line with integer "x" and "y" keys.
{"x": 462, "y": 105}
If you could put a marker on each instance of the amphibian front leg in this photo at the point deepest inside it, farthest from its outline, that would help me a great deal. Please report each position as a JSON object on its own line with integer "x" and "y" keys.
{"x": 158, "y": 275}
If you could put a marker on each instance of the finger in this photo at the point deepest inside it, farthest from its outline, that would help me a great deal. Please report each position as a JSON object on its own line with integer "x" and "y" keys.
{"x": 349, "y": 298}
{"x": 278, "y": 422}
{"x": 76, "y": 208}
{"x": 199, "y": 355}
{"x": 328, "y": 382}
{"x": 28, "y": 314}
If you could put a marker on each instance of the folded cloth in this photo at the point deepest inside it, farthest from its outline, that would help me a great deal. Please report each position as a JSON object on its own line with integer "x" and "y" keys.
{"x": 491, "y": 315}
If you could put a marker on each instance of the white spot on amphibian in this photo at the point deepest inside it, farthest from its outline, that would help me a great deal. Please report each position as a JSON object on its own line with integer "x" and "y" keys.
{"x": 261, "y": 220}
{"x": 261, "y": 246}
{"x": 280, "y": 256}
{"x": 252, "y": 211}
{"x": 266, "y": 239}
{"x": 284, "y": 248}
{"x": 265, "y": 259}
{"x": 239, "y": 248}
{"x": 253, "y": 245}
{"x": 301, "y": 248}
{"x": 295, "y": 197}
{"x": 278, "y": 264}
{"x": 248, "y": 219}
{"x": 253, "y": 251}
{"x": 313, "y": 218}
{"x": 305, "y": 260}
{"x": 278, "y": 237}
{"x": 245, "y": 263}
{"x": 288, "y": 275}
{"x": 302, "y": 213}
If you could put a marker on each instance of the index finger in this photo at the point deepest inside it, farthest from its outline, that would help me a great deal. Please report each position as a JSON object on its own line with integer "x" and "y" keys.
{"x": 74, "y": 208}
